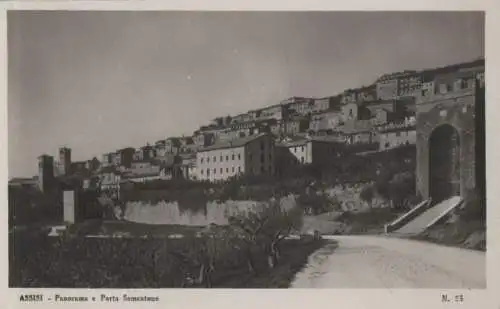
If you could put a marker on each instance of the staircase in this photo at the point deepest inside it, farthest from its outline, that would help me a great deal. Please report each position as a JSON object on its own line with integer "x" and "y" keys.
{"x": 429, "y": 217}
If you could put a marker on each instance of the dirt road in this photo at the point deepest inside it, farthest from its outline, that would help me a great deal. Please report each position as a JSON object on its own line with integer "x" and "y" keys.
{"x": 384, "y": 262}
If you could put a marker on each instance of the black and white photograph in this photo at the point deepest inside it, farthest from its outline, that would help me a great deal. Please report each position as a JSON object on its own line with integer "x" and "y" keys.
{"x": 246, "y": 149}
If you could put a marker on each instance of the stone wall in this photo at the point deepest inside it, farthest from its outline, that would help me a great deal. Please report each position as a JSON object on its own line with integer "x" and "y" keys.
{"x": 215, "y": 212}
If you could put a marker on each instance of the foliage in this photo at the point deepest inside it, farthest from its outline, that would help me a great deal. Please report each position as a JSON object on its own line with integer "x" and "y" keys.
{"x": 265, "y": 229}
{"x": 250, "y": 244}
{"x": 367, "y": 194}
{"x": 28, "y": 206}
{"x": 398, "y": 188}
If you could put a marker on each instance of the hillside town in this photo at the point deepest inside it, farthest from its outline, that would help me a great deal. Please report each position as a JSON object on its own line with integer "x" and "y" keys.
{"x": 271, "y": 140}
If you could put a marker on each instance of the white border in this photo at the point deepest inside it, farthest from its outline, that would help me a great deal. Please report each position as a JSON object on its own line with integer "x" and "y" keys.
{"x": 340, "y": 298}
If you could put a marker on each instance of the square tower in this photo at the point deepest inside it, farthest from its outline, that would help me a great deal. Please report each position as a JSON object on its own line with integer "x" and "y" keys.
{"x": 65, "y": 160}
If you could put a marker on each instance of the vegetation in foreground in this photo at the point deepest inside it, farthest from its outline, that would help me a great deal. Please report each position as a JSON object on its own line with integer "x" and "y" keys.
{"x": 152, "y": 263}
{"x": 250, "y": 252}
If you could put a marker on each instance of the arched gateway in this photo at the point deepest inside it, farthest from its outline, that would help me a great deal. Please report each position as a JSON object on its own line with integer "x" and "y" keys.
{"x": 447, "y": 136}
{"x": 444, "y": 163}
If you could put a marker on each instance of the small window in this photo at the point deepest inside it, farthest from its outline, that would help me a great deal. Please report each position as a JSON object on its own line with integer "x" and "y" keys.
{"x": 227, "y": 169}
{"x": 215, "y": 171}
{"x": 221, "y": 170}
{"x": 302, "y": 160}
{"x": 239, "y": 169}
{"x": 233, "y": 157}
{"x": 201, "y": 171}
{"x": 232, "y": 169}
{"x": 227, "y": 158}
{"x": 221, "y": 159}
{"x": 239, "y": 156}
{"x": 302, "y": 148}
{"x": 215, "y": 159}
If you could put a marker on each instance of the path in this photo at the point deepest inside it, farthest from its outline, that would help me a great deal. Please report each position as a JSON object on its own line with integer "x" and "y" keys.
{"x": 383, "y": 262}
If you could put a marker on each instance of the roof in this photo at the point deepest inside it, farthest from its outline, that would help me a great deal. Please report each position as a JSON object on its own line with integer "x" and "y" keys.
{"x": 108, "y": 169}
{"x": 140, "y": 175}
{"x": 125, "y": 149}
{"x": 143, "y": 161}
{"x": 359, "y": 126}
{"x": 240, "y": 142}
{"x": 453, "y": 76}
{"x": 22, "y": 181}
{"x": 79, "y": 162}
{"x": 396, "y": 127}
{"x": 293, "y": 143}
{"x": 326, "y": 139}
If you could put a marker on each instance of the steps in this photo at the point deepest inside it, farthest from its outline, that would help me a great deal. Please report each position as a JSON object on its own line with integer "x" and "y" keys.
{"x": 429, "y": 217}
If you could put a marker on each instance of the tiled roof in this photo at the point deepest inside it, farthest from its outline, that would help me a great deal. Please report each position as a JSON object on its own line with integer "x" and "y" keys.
{"x": 240, "y": 142}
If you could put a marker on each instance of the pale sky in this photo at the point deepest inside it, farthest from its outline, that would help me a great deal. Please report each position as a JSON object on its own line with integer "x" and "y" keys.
{"x": 99, "y": 81}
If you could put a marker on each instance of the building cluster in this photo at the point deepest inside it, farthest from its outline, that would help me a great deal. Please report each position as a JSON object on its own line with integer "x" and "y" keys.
{"x": 273, "y": 139}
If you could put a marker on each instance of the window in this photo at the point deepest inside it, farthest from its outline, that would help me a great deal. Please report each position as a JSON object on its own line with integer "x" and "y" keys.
{"x": 232, "y": 169}
{"x": 227, "y": 158}
{"x": 215, "y": 171}
{"x": 221, "y": 170}
{"x": 239, "y": 169}
{"x": 233, "y": 156}
{"x": 201, "y": 160}
{"x": 221, "y": 159}
{"x": 215, "y": 159}
{"x": 239, "y": 156}
{"x": 227, "y": 169}
{"x": 302, "y": 160}
{"x": 208, "y": 172}
{"x": 302, "y": 148}
{"x": 201, "y": 171}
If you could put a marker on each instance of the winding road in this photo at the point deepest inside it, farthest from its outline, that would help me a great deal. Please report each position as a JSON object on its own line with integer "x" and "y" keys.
{"x": 389, "y": 262}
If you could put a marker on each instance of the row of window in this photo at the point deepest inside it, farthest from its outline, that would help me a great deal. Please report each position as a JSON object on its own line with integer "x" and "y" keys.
{"x": 221, "y": 170}
{"x": 295, "y": 149}
{"x": 214, "y": 158}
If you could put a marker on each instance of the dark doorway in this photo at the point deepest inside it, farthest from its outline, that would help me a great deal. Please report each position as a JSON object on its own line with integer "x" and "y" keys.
{"x": 444, "y": 163}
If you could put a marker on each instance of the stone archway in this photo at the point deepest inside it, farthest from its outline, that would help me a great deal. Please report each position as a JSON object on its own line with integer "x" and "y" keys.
{"x": 444, "y": 163}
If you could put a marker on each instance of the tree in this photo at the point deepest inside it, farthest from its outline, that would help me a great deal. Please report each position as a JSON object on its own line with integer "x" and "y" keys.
{"x": 367, "y": 194}
{"x": 265, "y": 228}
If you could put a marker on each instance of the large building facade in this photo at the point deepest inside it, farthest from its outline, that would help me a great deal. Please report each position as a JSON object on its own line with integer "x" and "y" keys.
{"x": 253, "y": 155}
